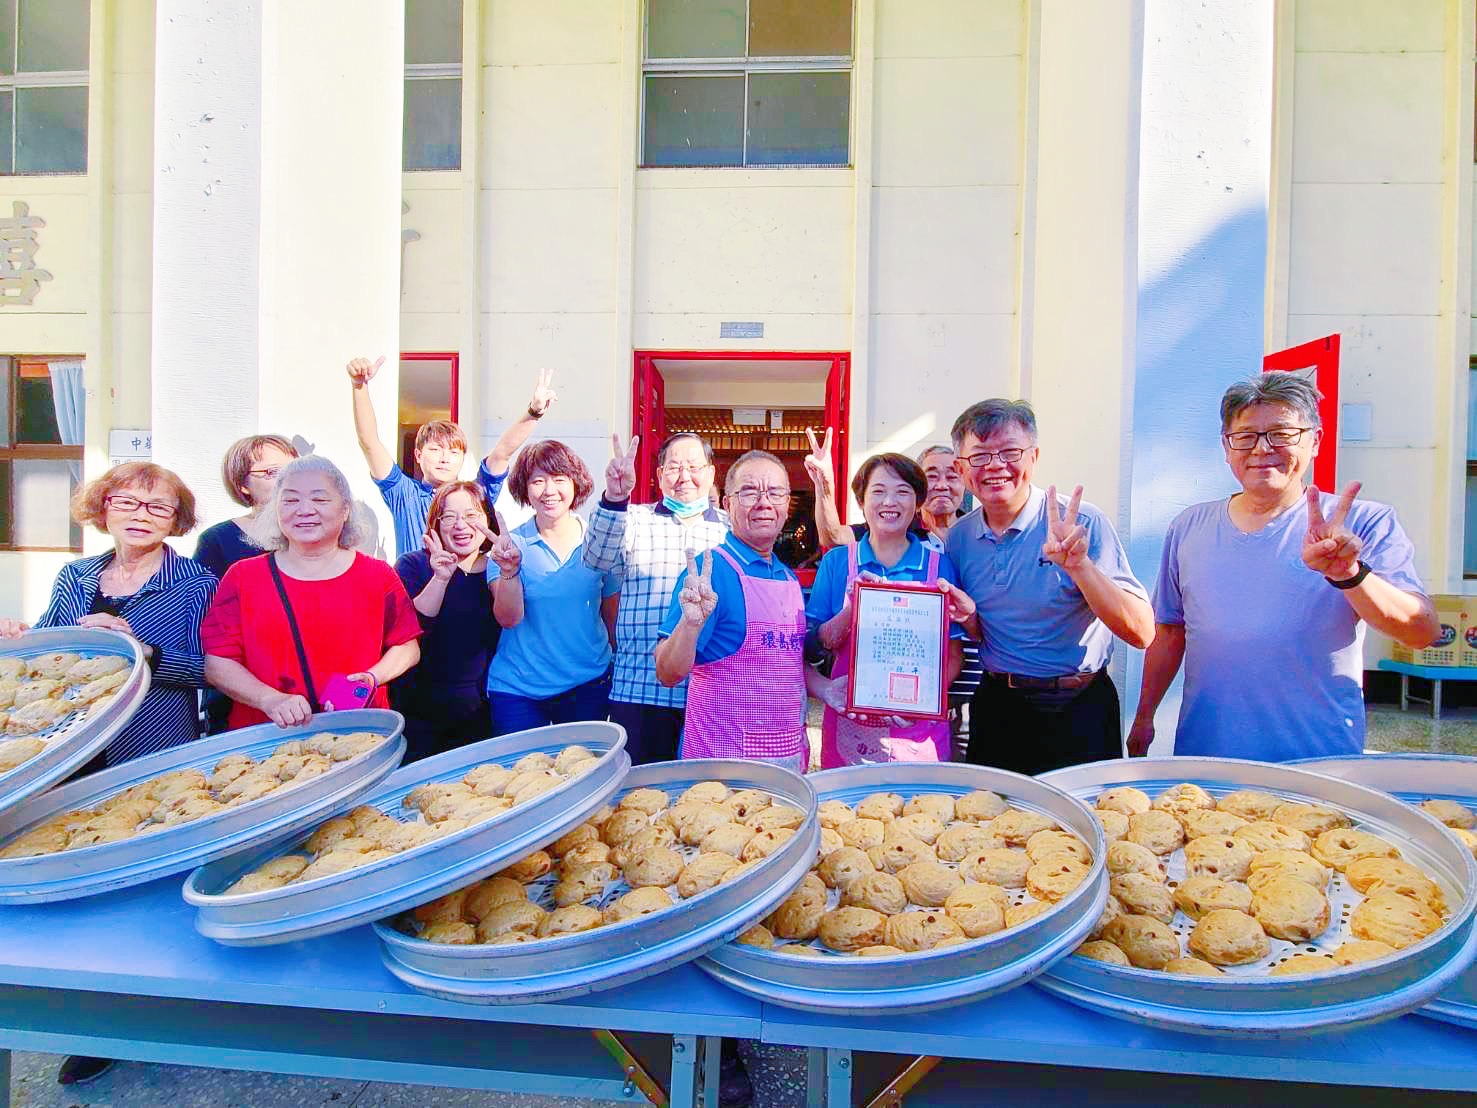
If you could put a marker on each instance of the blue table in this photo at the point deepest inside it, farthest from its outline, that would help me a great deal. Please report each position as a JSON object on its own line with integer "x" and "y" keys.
{"x": 125, "y": 975}
{"x": 1433, "y": 674}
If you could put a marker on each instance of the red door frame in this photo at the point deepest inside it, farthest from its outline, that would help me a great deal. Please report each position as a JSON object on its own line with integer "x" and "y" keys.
{"x": 456, "y": 371}
{"x": 648, "y": 405}
{"x": 1322, "y": 357}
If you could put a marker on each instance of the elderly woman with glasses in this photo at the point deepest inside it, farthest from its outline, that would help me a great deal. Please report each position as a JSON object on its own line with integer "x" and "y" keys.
{"x": 444, "y": 698}
{"x": 1263, "y": 596}
{"x": 313, "y": 615}
{"x": 249, "y": 472}
{"x": 144, "y": 589}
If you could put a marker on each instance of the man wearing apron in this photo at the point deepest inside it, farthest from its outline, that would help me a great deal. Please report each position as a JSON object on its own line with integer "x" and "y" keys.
{"x": 735, "y": 628}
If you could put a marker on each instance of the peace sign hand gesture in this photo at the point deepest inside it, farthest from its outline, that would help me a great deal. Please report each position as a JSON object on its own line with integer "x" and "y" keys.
{"x": 504, "y": 550}
{"x": 543, "y": 393}
{"x": 620, "y": 473}
{"x": 818, "y": 462}
{"x": 697, "y": 598}
{"x": 361, "y": 370}
{"x": 1329, "y": 547}
{"x": 1066, "y": 539}
{"x": 443, "y": 561}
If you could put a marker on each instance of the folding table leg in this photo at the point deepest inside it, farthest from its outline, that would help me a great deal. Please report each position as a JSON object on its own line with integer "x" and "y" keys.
{"x": 4, "y": 1079}
{"x": 891, "y": 1095}
{"x": 685, "y": 1071}
{"x": 1436, "y": 699}
{"x": 637, "y": 1079}
{"x": 1404, "y": 692}
{"x": 712, "y": 1069}
{"x": 828, "y": 1078}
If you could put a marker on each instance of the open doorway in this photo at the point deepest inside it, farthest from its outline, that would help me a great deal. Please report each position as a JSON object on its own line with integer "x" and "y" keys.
{"x": 428, "y": 390}
{"x": 742, "y": 401}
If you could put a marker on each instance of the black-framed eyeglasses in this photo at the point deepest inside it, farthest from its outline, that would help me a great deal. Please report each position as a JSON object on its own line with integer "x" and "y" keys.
{"x": 269, "y": 474}
{"x": 1276, "y": 436}
{"x": 159, "y": 509}
{"x": 1010, "y": 455}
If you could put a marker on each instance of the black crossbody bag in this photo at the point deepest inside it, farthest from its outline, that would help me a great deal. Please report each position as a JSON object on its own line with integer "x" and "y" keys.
{"x": 297, "y": 637}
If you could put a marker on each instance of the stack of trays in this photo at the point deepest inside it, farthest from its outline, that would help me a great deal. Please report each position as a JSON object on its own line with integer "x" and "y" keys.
{"x": 685, "y": 920}
{"x": 1418, "y": 779}
{"x": 945, "y": 966}
{"x": 417, "y": 868}
{"x": 1275, "y": 986}
{"x": 165, "y": 848}
{"x": 77, "y": 737}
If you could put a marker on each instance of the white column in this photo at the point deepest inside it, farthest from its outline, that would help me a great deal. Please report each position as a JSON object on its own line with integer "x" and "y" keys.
{"x": 276, "y": 227}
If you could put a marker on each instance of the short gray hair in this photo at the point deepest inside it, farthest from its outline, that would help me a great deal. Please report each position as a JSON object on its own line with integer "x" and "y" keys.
{"x": 1277, "y": 387}
{"x": 264, "y": 531}
{"x": 989, "y": 416}
{"x": 730, "y": 479}
{"x": 936, "y": 448}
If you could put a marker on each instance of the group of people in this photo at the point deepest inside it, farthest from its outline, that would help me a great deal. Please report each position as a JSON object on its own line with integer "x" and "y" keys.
{"x": 677, "y": 620}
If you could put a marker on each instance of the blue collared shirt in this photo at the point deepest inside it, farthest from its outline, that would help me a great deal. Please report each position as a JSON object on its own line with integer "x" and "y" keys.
{"x": 561, "y": 640}
{"x": 828, "y": 594}
{"x": 409, "y": 501}
{"x": 1036, "y": 620}
{"x": 727, "y": 627}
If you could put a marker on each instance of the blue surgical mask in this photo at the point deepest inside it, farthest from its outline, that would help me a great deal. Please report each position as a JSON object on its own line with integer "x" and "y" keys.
{"x": 684, "y": 511}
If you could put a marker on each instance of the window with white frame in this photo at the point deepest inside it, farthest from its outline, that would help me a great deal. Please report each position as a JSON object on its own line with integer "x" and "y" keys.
{"x": 43, "y": 86}
{"x": 433, "y": 85}
{"x": 747, "y": 83}
{"x": 41, "y": 416}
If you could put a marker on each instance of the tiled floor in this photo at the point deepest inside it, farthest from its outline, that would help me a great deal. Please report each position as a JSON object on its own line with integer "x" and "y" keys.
{"x": 129, "y": 1084}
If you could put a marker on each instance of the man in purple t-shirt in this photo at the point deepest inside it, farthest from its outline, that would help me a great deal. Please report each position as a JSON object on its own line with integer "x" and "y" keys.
{"x": 1264, "y": 596}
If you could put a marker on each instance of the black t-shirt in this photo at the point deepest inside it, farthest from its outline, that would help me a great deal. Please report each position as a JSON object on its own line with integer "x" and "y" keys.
{"x": 458, "y": 643}
{"x": 222, "y": 546}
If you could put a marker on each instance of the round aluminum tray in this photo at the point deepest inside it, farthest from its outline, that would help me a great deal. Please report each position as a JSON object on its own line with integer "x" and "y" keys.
{"x": 414, "y": 876}
{"x": 81, "y": 736}
{"x": 1269, "y": 1007}
{"x": 96, "y": 869}
{"x": 1414, "y": 778}
{"x": 936, "y": 979}
{"x": 574, "y": 965}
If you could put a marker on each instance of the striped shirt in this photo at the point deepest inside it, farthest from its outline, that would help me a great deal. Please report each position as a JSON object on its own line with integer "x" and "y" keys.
{"x": 409, "y": 501}
{"x": 644, "y": 547}
{"x": 164, "y": 614}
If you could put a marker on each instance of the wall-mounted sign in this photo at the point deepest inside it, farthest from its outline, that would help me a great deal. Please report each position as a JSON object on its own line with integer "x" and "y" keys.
{"x": 740, "y": 330}
{"x": 130, "y": 444}
{"x": 20, "y": 277}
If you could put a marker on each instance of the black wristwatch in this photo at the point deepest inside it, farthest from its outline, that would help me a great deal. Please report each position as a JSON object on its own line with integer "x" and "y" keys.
{"x": 1353, "y": 582}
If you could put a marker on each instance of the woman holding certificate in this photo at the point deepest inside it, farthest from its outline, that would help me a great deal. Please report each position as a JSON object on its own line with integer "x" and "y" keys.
{"x": 901, "y": 640}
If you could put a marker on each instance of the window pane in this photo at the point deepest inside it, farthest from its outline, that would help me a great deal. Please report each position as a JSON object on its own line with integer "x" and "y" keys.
{"x": 35, "y": 412}
{"x": 799, "y": 28}
{"x": 696, "y": 121}
{"x": 41, "y": 492}
{"x": 51, "y": 130}
{"x": 433, "y": 31}
{"x": 433, "y": 123}
{"x": 6, "y": 372}
{"x": 53, "y": 35}
{"x": 695, "y": 29}
{"x": 7, "y": 130}
{"x": 1469, "y": 560}
{"x": 799, "y": 118}
{"x": 7, "y": 36}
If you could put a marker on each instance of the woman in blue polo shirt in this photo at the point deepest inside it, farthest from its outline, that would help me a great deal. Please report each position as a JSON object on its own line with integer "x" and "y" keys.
{"x": 553, "y": 660}
{"x": 889, "y": 487}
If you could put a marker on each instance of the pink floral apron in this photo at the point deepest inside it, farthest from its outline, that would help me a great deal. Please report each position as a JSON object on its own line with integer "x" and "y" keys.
{"x": 845, "y": 743}
{"x": 752, "y": 703}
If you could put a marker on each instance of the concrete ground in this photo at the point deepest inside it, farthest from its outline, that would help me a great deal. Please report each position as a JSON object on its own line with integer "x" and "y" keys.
{"x": 146, "y": 1085}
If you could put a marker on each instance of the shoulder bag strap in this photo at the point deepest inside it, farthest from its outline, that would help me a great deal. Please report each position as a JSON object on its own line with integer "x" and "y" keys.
{"x": 297, "y": 638}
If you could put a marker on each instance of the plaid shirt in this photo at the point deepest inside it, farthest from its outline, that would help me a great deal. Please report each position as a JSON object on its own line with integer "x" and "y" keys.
{"x": 645, "y": 547}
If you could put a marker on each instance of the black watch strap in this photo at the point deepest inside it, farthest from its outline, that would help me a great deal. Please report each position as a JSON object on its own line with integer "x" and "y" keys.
{"x": 1353, "y": 582}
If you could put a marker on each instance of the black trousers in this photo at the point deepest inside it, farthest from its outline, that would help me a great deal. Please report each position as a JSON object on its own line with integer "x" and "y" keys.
{"x": 1032, "y": 731}
{"x": 436, "y": 724}
{"x": 652, "y": 731}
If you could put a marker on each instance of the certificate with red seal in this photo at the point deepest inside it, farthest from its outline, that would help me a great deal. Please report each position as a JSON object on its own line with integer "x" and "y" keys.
{"x": 899, "y": 649}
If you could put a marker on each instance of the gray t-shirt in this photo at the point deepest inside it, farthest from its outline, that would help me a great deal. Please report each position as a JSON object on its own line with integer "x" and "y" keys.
{"x": 1036, "y": 620}
{"x": 1274, "y": 655}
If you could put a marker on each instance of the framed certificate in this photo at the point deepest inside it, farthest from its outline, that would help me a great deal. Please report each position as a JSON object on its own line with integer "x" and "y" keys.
{"x": 899, "y": 647}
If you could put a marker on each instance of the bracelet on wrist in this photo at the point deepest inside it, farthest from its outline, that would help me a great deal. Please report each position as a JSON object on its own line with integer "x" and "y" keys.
{"x": 1350, "y": 582}
{"x": 533, "y": 414}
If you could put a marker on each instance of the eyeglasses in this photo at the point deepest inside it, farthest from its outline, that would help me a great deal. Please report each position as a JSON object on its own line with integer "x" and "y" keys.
{"x": 674, "y": 470}
{"x": 265, "y": 474}
{"x": 1277, "y": 436}
{"x": 159, "y": 509}
{"x": 750, "y": 497}
{"x": 469, "y": 518}
{"x": 1010, "y": 455}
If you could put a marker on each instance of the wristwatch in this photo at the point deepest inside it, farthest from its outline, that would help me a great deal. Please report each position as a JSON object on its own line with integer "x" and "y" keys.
{"x": 1352, "y": 582}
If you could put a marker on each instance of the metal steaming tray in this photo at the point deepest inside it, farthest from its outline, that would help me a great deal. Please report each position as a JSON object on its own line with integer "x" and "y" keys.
{"x": 1245, "y": 1001}
{"x": 574, "y": 965}
{"x": 371, "y": 892}
{"x": 79, "y": 737}
{"x": 284, "y": 811}
{"x": 849, "y": 985}
{"x": 1413, "y": 778}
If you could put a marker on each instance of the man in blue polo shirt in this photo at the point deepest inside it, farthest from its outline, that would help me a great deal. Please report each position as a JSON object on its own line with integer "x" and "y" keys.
{"x": 440, "y": 449}
{"x": 1053, "y": 587}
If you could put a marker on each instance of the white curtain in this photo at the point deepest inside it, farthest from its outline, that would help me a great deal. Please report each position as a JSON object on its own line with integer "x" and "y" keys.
{"x": 69, "y": 395}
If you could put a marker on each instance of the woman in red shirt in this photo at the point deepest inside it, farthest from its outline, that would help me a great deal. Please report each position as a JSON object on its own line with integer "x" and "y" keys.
{"x": 352, "y": 613}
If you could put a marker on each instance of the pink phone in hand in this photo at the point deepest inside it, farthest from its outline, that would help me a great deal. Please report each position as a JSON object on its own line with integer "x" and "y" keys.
{"x": 347, "y": 692}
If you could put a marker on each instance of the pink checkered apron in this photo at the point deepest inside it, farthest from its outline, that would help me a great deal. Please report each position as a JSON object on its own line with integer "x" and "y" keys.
{"x": 845, "y": 743}
{"x": 752, "y": 703}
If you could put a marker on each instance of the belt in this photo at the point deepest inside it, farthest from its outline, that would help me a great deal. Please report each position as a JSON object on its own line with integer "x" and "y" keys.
{"x": 1066, "y": 681}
